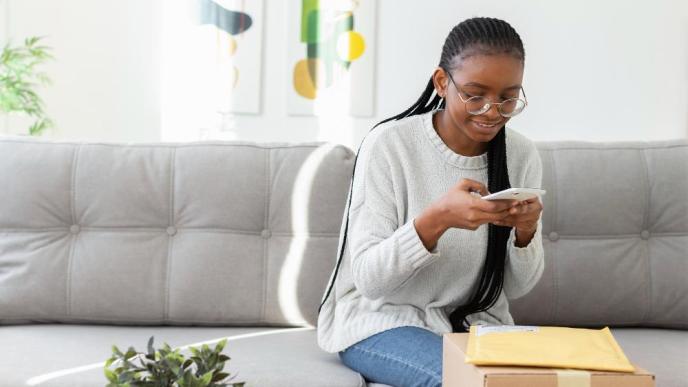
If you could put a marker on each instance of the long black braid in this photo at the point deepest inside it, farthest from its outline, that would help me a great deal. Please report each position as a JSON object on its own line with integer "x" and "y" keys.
{"x": 485, "y": 36}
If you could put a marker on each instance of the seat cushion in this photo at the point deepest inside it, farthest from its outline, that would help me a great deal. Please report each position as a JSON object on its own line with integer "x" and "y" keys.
{"x": 49, "y": 355}
{"x": 663, "y": 352}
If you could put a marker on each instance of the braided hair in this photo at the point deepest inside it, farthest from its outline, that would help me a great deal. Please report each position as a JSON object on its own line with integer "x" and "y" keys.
{"x": 475, "y": 36}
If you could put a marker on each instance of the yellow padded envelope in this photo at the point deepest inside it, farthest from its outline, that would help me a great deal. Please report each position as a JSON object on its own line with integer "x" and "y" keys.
{"x": 541, "y": 346}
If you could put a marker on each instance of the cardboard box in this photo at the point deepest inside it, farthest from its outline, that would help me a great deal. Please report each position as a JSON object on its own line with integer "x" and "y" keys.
{"x": 457, "y": 373}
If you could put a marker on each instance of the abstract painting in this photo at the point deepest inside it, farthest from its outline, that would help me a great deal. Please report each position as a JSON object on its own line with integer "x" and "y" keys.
{"x": 330, "y": 54}
{"x": 235, "y": 27}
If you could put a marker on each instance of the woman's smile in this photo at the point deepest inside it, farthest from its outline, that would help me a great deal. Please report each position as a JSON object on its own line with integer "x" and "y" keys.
{"x": 486, "y": 126}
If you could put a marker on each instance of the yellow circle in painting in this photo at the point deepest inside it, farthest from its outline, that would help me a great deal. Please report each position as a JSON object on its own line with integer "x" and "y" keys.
{"x": 350, "y": 45}
{"x": 307, "y": 74}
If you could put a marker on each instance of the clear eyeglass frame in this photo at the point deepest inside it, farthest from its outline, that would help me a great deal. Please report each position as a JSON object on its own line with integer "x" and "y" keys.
{"x": 486, "y": 104}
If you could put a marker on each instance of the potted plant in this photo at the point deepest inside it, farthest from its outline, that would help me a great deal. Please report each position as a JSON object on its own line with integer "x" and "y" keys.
{"x": 168, "y": 368}
{"x": 19, "y": 77}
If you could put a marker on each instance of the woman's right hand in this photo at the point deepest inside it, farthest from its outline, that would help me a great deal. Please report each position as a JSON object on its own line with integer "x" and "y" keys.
{"x": 459, "y": 208}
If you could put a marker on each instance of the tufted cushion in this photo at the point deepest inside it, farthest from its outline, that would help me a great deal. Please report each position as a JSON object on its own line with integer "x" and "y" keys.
{"x": 196, "y": 233}
{"x": 246, "y": 234}
{"x": 615, "y": 233}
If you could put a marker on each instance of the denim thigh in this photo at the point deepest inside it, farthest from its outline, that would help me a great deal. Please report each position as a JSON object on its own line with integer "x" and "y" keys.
{"x": 400, "y": 357}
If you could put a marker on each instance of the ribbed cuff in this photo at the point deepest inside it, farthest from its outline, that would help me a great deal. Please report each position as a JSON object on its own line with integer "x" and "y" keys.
{"x": 412, "y": 248}
{"x": 528, "y": 251}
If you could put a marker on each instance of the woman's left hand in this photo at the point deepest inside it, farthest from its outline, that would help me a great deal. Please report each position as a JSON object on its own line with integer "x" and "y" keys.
{"x": 524, "y": 216}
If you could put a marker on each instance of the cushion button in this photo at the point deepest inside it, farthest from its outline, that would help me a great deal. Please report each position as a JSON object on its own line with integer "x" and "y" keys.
{"x": 171, "y": 231}
{"x": 645, "y": 234}
{"x": 553, "y": 236}
{"x": 266, "y": 233}
{"x": 74, "y": 229}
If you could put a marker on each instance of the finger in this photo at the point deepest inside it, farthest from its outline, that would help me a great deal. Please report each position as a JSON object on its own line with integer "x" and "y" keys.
{"x": 472, "y": 185}
{"x": 524, "y": 218}
{"x": 514, "y": 210}
{"x": 522, "y": 208}
{"x": 506, "y": 222}
{"x": 534, "y": 201}
{"x": 509, "y": 202}
{"x": 489, "y": 217}
{"x": 493, "y": 205}
{"x": 532, "y": 209}
{"x": 526, "y": 208}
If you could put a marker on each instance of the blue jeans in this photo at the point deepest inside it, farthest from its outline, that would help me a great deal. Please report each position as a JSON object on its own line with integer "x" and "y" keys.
{"x": 400, "y": 357}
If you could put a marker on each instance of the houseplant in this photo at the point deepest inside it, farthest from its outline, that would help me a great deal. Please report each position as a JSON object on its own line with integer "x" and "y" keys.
{"x": 19, "y": 78}
{"x": 168, "y": 368}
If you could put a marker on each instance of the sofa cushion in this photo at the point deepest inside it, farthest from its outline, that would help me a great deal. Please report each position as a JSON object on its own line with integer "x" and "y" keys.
{"x": 208, "y": 233}
{"x": 661, "y": 351}
{"x": 51, "y": 355}
{"x": 615, "y": 234}
{"x": 73, "y": 355}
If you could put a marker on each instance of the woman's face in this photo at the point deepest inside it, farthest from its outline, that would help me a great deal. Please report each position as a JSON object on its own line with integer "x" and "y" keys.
{"x": 496, "y": 77}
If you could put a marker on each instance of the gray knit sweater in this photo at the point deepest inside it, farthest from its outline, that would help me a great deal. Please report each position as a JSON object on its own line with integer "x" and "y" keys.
{"x": 387, "y": 277}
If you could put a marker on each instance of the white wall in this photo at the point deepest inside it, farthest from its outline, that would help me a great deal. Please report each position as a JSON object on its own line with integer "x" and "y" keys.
{"x": 105, "y": 76}
{"x": 613, "y": 70}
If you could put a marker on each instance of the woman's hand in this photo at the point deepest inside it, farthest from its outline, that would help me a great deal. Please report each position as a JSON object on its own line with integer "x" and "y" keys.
{"x": 461, "y": 209}
{"x": 524, "y": 215}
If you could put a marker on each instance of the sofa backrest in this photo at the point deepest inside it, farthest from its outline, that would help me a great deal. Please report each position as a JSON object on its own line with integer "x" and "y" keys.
{"x": 212, "y": 233}
{"x": 246, "y": 234}
{"x": 615, "y": 234}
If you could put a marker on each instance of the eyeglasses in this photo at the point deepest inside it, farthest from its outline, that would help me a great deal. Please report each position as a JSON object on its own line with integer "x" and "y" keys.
{"x": 477, "y": 105}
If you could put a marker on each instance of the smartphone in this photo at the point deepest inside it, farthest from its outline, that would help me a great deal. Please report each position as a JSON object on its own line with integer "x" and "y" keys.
{"x": 515, "y": 194}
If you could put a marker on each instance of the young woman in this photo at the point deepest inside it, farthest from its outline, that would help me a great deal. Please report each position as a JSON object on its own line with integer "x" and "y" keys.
{"x": 425, "y": 254}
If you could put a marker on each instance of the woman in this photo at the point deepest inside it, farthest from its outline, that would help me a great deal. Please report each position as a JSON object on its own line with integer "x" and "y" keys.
{"x": 426, "y": 255}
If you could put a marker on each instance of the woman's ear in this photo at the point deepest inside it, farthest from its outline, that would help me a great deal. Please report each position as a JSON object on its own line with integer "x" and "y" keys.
{"x": 440, "y": 80}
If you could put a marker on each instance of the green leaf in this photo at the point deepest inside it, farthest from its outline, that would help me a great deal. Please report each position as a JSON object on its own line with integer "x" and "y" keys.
{"x": 111, "y": 376}
{"x": 151, "y": 351}
{"x": 221, "y": 345}
{"x": 219, "y": 376}
{"x": 206, "y": 378}
{"x": 125, "y": 377}
{"x": 131, "y": 352}
{"x": 116, "y": 350}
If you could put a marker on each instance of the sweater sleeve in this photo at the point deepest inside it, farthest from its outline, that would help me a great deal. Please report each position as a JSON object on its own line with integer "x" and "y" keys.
{"x": 524, "y": 265}
{"x": 384, "y": 254}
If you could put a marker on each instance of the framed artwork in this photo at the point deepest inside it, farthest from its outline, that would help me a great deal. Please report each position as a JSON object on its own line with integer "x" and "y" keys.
{"x": 330, "y": 54}
{"x": 210, "y": 66}
{"x": 230, "y": 35}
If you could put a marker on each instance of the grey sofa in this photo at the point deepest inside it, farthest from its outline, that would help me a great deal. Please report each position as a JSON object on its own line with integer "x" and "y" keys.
{"x": 105, "y": 244}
